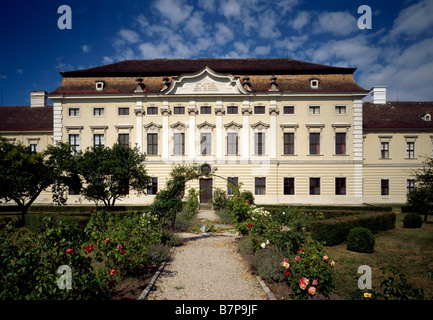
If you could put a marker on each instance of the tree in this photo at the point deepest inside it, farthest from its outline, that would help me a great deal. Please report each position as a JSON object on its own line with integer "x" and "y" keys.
{"x": 168, "y": 202}
{"x": 421, "y": 197}
{"x": 65, "y": 171}
{"x": 109, "y": 173}
{"x": 24, "y": 174}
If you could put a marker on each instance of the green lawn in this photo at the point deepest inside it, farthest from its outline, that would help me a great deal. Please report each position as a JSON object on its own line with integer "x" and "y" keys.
{"x": 410, "y": 250}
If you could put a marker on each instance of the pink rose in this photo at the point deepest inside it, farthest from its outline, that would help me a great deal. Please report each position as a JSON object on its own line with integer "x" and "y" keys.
{"x": 304, "y": 281}
{"x": 315, "y": 282}
{"x": 69, "y": 251}
{"x": 303, "y": 286}
{"x": 312, "y": 291}
{"x": 106, "y": 240}
{"x": 325, "y": 258}
{"x": 112, "y": 272}
{"x": 119, "y": 247}
{"x": 297, "y": 258}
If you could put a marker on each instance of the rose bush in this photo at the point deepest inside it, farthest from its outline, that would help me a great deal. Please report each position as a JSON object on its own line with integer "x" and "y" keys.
{"x": 309, "y": 272}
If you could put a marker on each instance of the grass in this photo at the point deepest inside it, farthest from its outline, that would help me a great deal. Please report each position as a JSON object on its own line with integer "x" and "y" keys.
{"x": 410, "y": 250}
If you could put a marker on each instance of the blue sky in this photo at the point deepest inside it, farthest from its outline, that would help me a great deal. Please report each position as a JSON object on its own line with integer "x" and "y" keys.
{"x": 397, "y": 51}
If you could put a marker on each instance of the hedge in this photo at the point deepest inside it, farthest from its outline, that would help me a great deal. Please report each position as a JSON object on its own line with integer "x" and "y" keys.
{"x": 334, "y": 231}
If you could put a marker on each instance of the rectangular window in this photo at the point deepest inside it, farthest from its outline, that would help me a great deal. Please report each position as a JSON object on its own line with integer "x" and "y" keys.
{"x": 74, "y": 143}
{"x": 384, "y": 187}
{"x": 123, "y": 111}
{"x": 232, "y": 110}
{"x": 33, "y": 147}
{"x": 231, "y": 181}
{"x": 340, "y": 186}
{"x": 259, "y": 110}
{"x": 289, "y": 110}
{"x": 232, "y": 144}
{"x": 98, "y": 112}
{"x": 205, "y": 110}
{"x": 259, "y": 143}
{"x": 260, "y": 186}
{"x": 314, "y": 109}
{"x": 152, "y": 187}
{"x": 410, "y": 185}
{"x": 98, "y": 140}
{"x": 179, "y": 144}
{"x": 152, "y": 143}
{"x": 74, "y": 112}
{"x": 340, "y": 110}
{"x": 205, "y": 144}
{"x": 340, "y": 143}
{"x": 124, "y": 139}
{"x": 410, "y": 150}
{"x": 152, "y": 110}
{"x": 289, "y": 186}
{"x": 315, "y": 186}
{"x": 179, "y": 110}
{"x": 384, "y": 150}
{"x": 315, "y": 143}
{"x": 289, "y": 143}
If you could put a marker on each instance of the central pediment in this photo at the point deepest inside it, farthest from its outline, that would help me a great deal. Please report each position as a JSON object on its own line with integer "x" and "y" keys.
{"x": 206, "y": 82}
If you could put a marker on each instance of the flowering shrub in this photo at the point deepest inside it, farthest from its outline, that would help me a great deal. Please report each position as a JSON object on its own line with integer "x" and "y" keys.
{"x": 30, "y": 261}
{"x": 308, "y": 273}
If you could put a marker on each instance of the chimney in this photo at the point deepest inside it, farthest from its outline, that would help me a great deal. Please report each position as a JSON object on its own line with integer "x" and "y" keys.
{"x": 378, "y": 94}
{"x": 38, "y": 99}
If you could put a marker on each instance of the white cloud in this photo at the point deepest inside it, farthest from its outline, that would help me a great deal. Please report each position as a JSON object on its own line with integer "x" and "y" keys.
{"x": 19, "y": 71}
{"x": 107, "y": 60}
{"x": 207, "y": 5}
{"x": 414, "y": 20}
{"x": 338, "y": 23}
{"x": 3, "y": 77}
{"x": 175, "y": 11}
{"x": 223, "y": 34}
{"x": 261, "y": 50}
{"x": 231, "y": 8}
{"x": 142, "y": 21}
{"x": 85, "y": 48}
{"x": 154, "y": 51}
{"x": 300, "y": 20}
{"x": 267, "y": 26}
{"x": 129, "y": 35}
{"x": 195, "y": 24}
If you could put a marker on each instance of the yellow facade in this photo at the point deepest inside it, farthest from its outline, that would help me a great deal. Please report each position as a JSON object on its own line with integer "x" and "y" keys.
{"x": 286, "y": 138}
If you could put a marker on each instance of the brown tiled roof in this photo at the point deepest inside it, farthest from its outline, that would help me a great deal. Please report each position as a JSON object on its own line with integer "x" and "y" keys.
{"x": 397, "y": 114}
{"x": 173, "y": 67}
{"x": 26, "y": 118}
{"x": 291, "y": 75}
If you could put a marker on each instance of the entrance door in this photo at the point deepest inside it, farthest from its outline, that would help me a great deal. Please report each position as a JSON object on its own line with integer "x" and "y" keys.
{"x": 206, "y": 187}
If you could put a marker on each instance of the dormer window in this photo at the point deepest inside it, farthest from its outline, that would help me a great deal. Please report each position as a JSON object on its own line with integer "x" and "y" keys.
{"x": 99, "y": 85}
{"x": 426, "y": 116}
{"x": 314, "y": 83}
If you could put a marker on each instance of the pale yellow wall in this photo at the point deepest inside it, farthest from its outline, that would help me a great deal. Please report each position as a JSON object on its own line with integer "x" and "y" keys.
{"x": 42, "y": 139}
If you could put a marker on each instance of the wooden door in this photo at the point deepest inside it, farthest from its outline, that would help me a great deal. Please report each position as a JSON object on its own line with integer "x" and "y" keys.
{"x": 206, "y": 187}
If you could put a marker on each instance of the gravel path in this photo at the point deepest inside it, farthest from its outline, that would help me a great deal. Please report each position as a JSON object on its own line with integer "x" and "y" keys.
{"x": 207, "y": 267}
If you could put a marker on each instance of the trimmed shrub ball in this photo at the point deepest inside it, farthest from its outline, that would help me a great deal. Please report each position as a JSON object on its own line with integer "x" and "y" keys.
{"x": 412, "y": 220}
{"x": 360, "y": 240}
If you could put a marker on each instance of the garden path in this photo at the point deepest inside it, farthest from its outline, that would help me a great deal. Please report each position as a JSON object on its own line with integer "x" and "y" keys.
{"x": 207, "y": 267}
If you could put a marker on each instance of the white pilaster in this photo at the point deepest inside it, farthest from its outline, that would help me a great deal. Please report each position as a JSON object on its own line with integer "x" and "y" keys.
{"x": 273, "y": 111}
{"x": 357, "y": 150}
{"x": 57, "y": 122}
{"x": 139, "y": 113}
{"x": 192, "y": 111}
{"x": 246, "y": 111}
{"x": 165, "y": 130}
{"x": 219, "y": 131}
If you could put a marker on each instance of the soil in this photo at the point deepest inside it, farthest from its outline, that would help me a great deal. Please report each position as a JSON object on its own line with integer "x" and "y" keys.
{"x": 131, "y": 288}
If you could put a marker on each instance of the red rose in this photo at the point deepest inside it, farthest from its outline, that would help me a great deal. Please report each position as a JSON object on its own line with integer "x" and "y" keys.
{"x": 69, "y": 251}
{"x": 287, "y": 273}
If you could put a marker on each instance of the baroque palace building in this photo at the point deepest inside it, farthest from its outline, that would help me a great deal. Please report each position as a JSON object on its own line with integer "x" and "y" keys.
{"x": 290, "y": 131}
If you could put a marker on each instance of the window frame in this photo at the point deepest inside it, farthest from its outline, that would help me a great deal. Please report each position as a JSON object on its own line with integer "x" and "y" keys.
{"x": 314, "y": 186}
{"x": 288, "y": 186}
{"x": 260, "y": 186}
{"x": 152, "y": 144}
